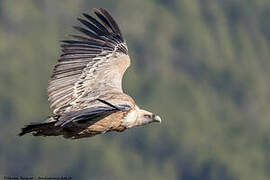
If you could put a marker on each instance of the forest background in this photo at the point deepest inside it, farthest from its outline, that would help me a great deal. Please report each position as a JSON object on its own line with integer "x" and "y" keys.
{"x": 202, "y": 65}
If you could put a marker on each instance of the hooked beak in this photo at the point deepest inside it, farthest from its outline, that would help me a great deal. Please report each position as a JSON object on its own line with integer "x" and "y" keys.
{"x": 156, "y": 119}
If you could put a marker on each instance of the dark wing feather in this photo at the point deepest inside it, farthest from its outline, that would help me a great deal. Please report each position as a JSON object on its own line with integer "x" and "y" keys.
{"x": 96, "y": 23}
{"x": 92, "y": 27}
{"x": 89, "y": 114}
{"x": 91, "y": 65}
{"x": 112, "y": 22}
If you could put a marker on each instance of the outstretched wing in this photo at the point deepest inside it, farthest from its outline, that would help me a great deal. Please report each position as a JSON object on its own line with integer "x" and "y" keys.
{"x": 92, "y": 65}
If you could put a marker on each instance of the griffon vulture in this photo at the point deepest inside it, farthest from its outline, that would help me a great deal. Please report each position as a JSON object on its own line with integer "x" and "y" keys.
{"x": 85, "y": 89}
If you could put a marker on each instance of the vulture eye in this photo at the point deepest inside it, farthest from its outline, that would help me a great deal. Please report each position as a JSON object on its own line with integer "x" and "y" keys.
{"x": 147, "y": 116}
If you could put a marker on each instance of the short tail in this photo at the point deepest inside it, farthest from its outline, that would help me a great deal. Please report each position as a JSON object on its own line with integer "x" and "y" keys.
{"x": 41, "y": 129}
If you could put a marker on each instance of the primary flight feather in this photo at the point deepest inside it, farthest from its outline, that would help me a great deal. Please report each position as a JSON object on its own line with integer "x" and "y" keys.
{"x": 85, "y": 89}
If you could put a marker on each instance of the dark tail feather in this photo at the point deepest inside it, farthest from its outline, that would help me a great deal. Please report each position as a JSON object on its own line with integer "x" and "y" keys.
{"x": 41, "y": 129}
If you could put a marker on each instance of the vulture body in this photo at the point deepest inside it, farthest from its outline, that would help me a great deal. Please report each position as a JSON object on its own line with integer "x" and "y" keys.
{"x": 85, "y": 89}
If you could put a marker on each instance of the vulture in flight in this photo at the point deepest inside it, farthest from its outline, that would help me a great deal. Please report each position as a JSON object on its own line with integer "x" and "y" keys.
{"x": 85, "y": 89}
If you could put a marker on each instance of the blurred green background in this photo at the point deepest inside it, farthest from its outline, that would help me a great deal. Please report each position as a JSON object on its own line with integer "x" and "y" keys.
{"x": 202, "y": 65}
